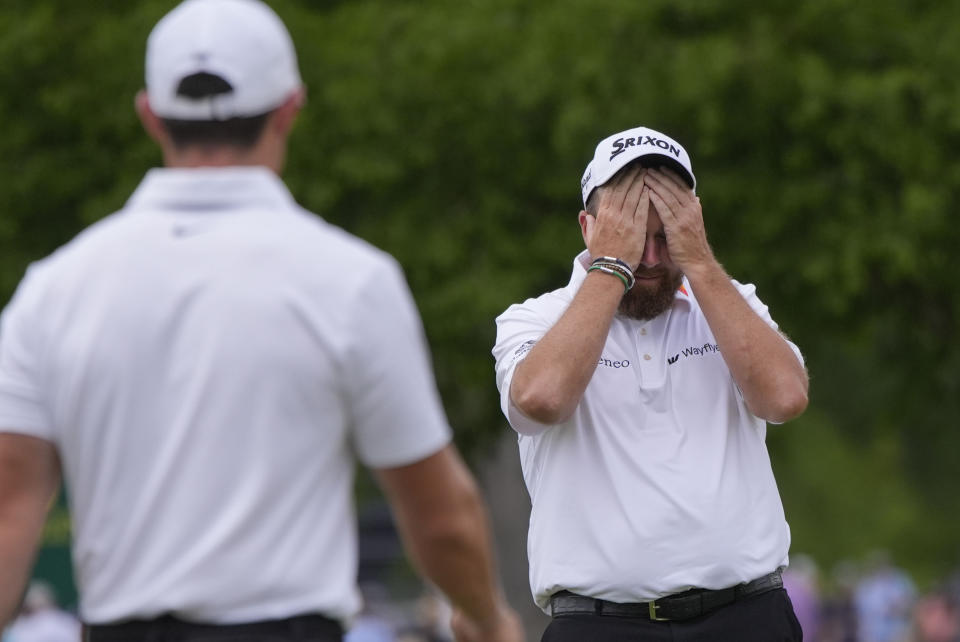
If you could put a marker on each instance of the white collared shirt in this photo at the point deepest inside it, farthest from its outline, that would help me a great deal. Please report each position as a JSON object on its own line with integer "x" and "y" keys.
{"x": 660, "y": 481}
{"x": 208, "y": 361}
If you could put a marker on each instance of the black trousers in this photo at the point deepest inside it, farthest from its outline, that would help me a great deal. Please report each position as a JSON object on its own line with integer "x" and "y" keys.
{"x": 766, "y": 617}
{"x": 303, "y": 628}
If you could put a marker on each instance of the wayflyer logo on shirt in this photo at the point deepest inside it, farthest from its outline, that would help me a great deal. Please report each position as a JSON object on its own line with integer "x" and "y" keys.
{"x": 694, "y": 351}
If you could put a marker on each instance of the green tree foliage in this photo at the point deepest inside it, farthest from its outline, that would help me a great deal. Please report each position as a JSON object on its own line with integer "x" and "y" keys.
{"x": 454, "y": 135}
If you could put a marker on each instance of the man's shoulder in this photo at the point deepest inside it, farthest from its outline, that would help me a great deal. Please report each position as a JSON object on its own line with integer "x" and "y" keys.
{"x": 88, "y": 241}
{"x": 327, "y": 248}
{"x": 547, "y": 305}
{"x": 314, "y": 229}
{"x": 746, "y": 290}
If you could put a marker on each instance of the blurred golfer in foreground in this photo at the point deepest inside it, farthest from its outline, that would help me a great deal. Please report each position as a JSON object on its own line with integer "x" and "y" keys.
{"x": 641, "y": 393}
{"x": 201, "y": 368}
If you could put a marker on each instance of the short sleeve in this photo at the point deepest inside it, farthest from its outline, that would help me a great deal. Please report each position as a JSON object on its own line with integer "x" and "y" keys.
{"x": 749, "y": 292}
{"x": 22, "y": 408}
{"x": 396, "y": 414}
{"x": 518, "y": 330}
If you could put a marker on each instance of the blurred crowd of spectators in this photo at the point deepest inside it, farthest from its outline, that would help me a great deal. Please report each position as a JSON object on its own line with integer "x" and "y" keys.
{"x": 384, "y": 619}
{"x": 871, "y": 602}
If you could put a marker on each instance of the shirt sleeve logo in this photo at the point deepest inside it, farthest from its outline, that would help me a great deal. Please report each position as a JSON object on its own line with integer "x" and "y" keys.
{"x": 523, "y": 349}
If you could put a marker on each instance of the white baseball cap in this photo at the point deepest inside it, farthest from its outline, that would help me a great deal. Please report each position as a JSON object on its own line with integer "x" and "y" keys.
{"x": 242, "y": 41}
{"x": 615, "y": 151}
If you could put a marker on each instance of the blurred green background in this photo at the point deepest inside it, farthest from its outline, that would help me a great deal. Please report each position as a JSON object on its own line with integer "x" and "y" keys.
{"x": 453, "y": 134}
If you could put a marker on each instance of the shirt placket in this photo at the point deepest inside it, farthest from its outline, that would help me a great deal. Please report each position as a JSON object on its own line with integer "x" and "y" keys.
{"x": 647, "y": 355}
{"x": 651, "y": 358}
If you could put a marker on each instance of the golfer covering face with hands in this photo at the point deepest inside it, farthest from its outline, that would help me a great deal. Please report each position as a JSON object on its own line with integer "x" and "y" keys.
{"x": 624, "y": 218}
{"x": 640, "y": 393}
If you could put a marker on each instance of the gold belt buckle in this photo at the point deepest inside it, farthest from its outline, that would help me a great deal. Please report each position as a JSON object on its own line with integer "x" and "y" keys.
{"x": 653, "y": 606}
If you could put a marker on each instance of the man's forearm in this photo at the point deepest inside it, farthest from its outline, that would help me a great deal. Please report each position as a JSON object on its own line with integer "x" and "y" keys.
{"x": 16, "y": 560}
{"x": 442, "y": 520}
{"x": 549, "y": 382}
{"x": 771, "y": 378}
{"x": 29, "y": 478}
{"x": 455, "y": 553}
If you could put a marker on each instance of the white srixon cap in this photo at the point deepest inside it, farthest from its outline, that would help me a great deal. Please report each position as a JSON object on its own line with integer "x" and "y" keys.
{"x": 615, "y": 151}
{"x": 242, "y": 41}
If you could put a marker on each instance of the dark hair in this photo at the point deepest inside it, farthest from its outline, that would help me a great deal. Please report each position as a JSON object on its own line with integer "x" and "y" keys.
{"x": 242, "y": 132}
{"x": 650, "y": 160}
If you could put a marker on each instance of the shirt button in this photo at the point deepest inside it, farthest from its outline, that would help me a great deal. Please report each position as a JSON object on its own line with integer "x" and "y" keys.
{"x": 643, "y": 330}
{"x": 647, "y": 357}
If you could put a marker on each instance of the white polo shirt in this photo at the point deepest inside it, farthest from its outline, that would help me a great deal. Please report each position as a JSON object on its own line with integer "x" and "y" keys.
{"x": 660, "y": 481}
{"x": 208, "y": 361}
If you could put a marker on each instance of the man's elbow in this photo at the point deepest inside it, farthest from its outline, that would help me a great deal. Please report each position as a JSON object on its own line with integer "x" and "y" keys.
{"x": 789, "y": 403}
{"x": 542, "y": 405}
{"x": 455, "y": 527}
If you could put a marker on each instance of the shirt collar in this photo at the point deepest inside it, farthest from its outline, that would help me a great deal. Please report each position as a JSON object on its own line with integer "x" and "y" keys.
{"x": 582, "y": 262}
{"x": 211, "y": 189}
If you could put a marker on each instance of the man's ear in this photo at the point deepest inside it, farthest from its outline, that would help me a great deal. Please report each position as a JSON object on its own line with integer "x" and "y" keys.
{"x": 284, "y": 116}
{"x": 150, "y": 121}
{"x": 586, "y": 220}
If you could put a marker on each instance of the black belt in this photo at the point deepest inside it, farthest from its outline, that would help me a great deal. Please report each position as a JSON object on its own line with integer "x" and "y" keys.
{"x": 681, "y": 606}
{"x": 168, "y": 627}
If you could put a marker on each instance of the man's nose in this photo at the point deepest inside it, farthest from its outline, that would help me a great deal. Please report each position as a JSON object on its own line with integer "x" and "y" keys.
{"x": 651, "y": 254}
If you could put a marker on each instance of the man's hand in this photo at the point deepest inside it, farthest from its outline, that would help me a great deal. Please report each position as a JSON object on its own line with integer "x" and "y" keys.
{"x": 620, "y": 228}
{"x": 505, "y": 627}
{"x": 679, "y": 209}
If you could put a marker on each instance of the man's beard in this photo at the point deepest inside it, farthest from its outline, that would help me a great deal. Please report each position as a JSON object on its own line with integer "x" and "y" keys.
{"x": 645, "y": 301}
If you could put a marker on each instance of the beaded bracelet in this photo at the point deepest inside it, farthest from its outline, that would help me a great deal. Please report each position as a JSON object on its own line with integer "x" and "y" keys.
{"x": 608, "y": 270}
{"x": 612, "y": 259}
{"x": 621, "y": 268}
